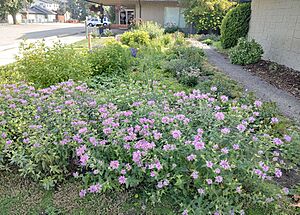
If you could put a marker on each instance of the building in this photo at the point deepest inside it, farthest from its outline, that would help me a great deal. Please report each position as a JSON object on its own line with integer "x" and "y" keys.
{"x": 47, "y": 4}
{"x": 275, "y": 24}
{"x": 160, "y": 11}
{"x": 37, "y": 14}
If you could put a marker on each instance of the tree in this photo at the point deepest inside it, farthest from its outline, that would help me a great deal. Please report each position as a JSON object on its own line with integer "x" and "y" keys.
{"x": 13, "y": 7}
{"x": 206, "y": 14}
{"x": 78, "y": 9}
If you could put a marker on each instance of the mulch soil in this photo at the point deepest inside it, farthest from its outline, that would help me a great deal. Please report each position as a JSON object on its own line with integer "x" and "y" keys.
{"x": 279, "y": 76}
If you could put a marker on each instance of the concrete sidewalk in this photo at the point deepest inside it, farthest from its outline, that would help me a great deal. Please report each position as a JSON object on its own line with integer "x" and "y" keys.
{"x": 287, "y": 103}
{"x": 9, "y": 52}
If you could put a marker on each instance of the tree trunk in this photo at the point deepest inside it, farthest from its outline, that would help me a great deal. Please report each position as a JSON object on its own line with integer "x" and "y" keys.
{"x": 14, "y": 16}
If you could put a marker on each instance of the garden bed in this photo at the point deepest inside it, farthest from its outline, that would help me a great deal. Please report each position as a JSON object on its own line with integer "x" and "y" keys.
{"x": 148, "y": 122}
{"x": 279, "y": 76}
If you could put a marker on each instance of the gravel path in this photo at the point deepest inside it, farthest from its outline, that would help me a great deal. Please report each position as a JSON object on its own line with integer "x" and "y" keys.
{"x": 287, "y": 103}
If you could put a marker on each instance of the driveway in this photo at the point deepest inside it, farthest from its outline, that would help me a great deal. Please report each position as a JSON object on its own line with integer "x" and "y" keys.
{"x": 12, "y": 35}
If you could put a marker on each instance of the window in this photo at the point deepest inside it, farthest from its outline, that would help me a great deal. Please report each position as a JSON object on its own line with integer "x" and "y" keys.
{"x": 174, "y": 15}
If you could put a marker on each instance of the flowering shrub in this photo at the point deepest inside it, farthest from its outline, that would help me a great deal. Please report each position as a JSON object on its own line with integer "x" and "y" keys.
{"x": 209, "y": 154}
{"x": 135, "y": 38}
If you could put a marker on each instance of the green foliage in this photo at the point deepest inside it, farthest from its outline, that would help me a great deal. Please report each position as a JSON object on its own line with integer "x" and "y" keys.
{"x": 171, "y": 28}
{"x": 206, "y": 14}
{"x": 189, "y": 76}
{"x": 235, "y": 25}
{"x": 13, "y": 7}
{"x": 135, "y": 38}
{"x": 111, "y": 59}
{"x": 190, "y": 53}
{"x": 212, "y": 37}
{"x": 208, "y": 41}
{"x": 152, "y": 28}
{"x": 46, "y": 66}
{"x": 246, "y": 52}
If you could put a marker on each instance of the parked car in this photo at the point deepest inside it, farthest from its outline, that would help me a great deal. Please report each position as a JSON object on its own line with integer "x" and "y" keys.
{"x": 95, "y": 22}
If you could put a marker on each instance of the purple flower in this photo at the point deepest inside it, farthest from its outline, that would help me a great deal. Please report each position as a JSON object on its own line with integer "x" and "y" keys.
{"x": 81, "y": 150}
{"x": 236, "y": 146}
{"x": 136, "y": 156}
{"x": 83, "y": 159}
{"x": 224, "y": 164}
{"x": 241, "y": 127}
{"x": 185, "y": 212}
{"x": 277, "y": 141}
{"x": 219, "y": 179}
{"x": 191, "y": 157}
{"x": 214, "y": 89}
{"x": 82, "y": 193}
{"x": 176, "y": 134}
{"x": 201, "y": 191}
{"x": 122, "y": 179}
{"x": 220, "y": 116}
{"x": 95, "y": 188}
{"x": 209, "y": 164}
{"x": 217, "y": 171}
{"x": 258, "y": 103}
{"x": 195, "y": 175}
{"x": 199, "y": 145}
{"x": 225, "y": 130}
{"x": 274, "y": 120}
{"x": 225, "y": 150}
{"x": 114, "y": 164}
{"x": 224, "y": 98}
{"x": 209, "y": 181}
{"x": 287, "y": 138}
{"x": 278, "y": 173}
{"x": 285, "y": 190}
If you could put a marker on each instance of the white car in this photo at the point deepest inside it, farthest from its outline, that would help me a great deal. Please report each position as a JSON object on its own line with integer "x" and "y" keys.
{"x": 95, "y": 22}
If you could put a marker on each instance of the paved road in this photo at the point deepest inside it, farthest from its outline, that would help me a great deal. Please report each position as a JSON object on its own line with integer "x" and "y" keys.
{"x": 12, "y": 35}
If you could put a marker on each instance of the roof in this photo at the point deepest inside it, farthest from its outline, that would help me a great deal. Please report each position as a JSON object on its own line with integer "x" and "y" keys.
{"x": 39, "y": 10}
{"x": 48, "y": 1}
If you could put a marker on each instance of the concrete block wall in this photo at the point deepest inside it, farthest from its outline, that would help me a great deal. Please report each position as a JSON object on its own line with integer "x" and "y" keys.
{"x": 275, "y": 24}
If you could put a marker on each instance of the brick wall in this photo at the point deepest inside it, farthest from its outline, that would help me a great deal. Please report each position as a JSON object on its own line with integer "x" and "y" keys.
{"x": 275, "y": 24}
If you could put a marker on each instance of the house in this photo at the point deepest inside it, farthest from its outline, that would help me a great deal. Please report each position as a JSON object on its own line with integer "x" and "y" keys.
{"x": 47, "y": 4}
{"x": 160, "y": 11}
{"x": 37, "y": 14}
{"x": 275, "y": 24}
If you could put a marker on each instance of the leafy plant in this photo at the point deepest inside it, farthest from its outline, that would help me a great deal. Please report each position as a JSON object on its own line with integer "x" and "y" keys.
{"x": 171, "y": 28}
{"x": 235, "y": 25}
{"x": 135, "y": 38}
{"x": 208, "y": 41}
{"x": 189, "y": 76}
{"x": 246, "y": 52}
{"x": 206, "y": 14}
{"x": 212, "y": 37}
{"x": 152, "y": 28}
{"x": 46, "y": 66}
{"x": 111, "y": 59}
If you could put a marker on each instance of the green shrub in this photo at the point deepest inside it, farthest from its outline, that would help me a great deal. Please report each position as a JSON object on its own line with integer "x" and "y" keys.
{"x": 171, "y": 28}
{"x": 190, "y": 53}
{"x": 189, "y": 76}
{"x": 45, "y": 66}
{"x": 176, "y": 65}
{"x": 246, "y": 52}
{"x": 235, "y": 25}
{"x": 112, "y": 59}
{"x": 135, "y": 38}
{"x": 152, "y": 28}
{"x": 208, "y": 41}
